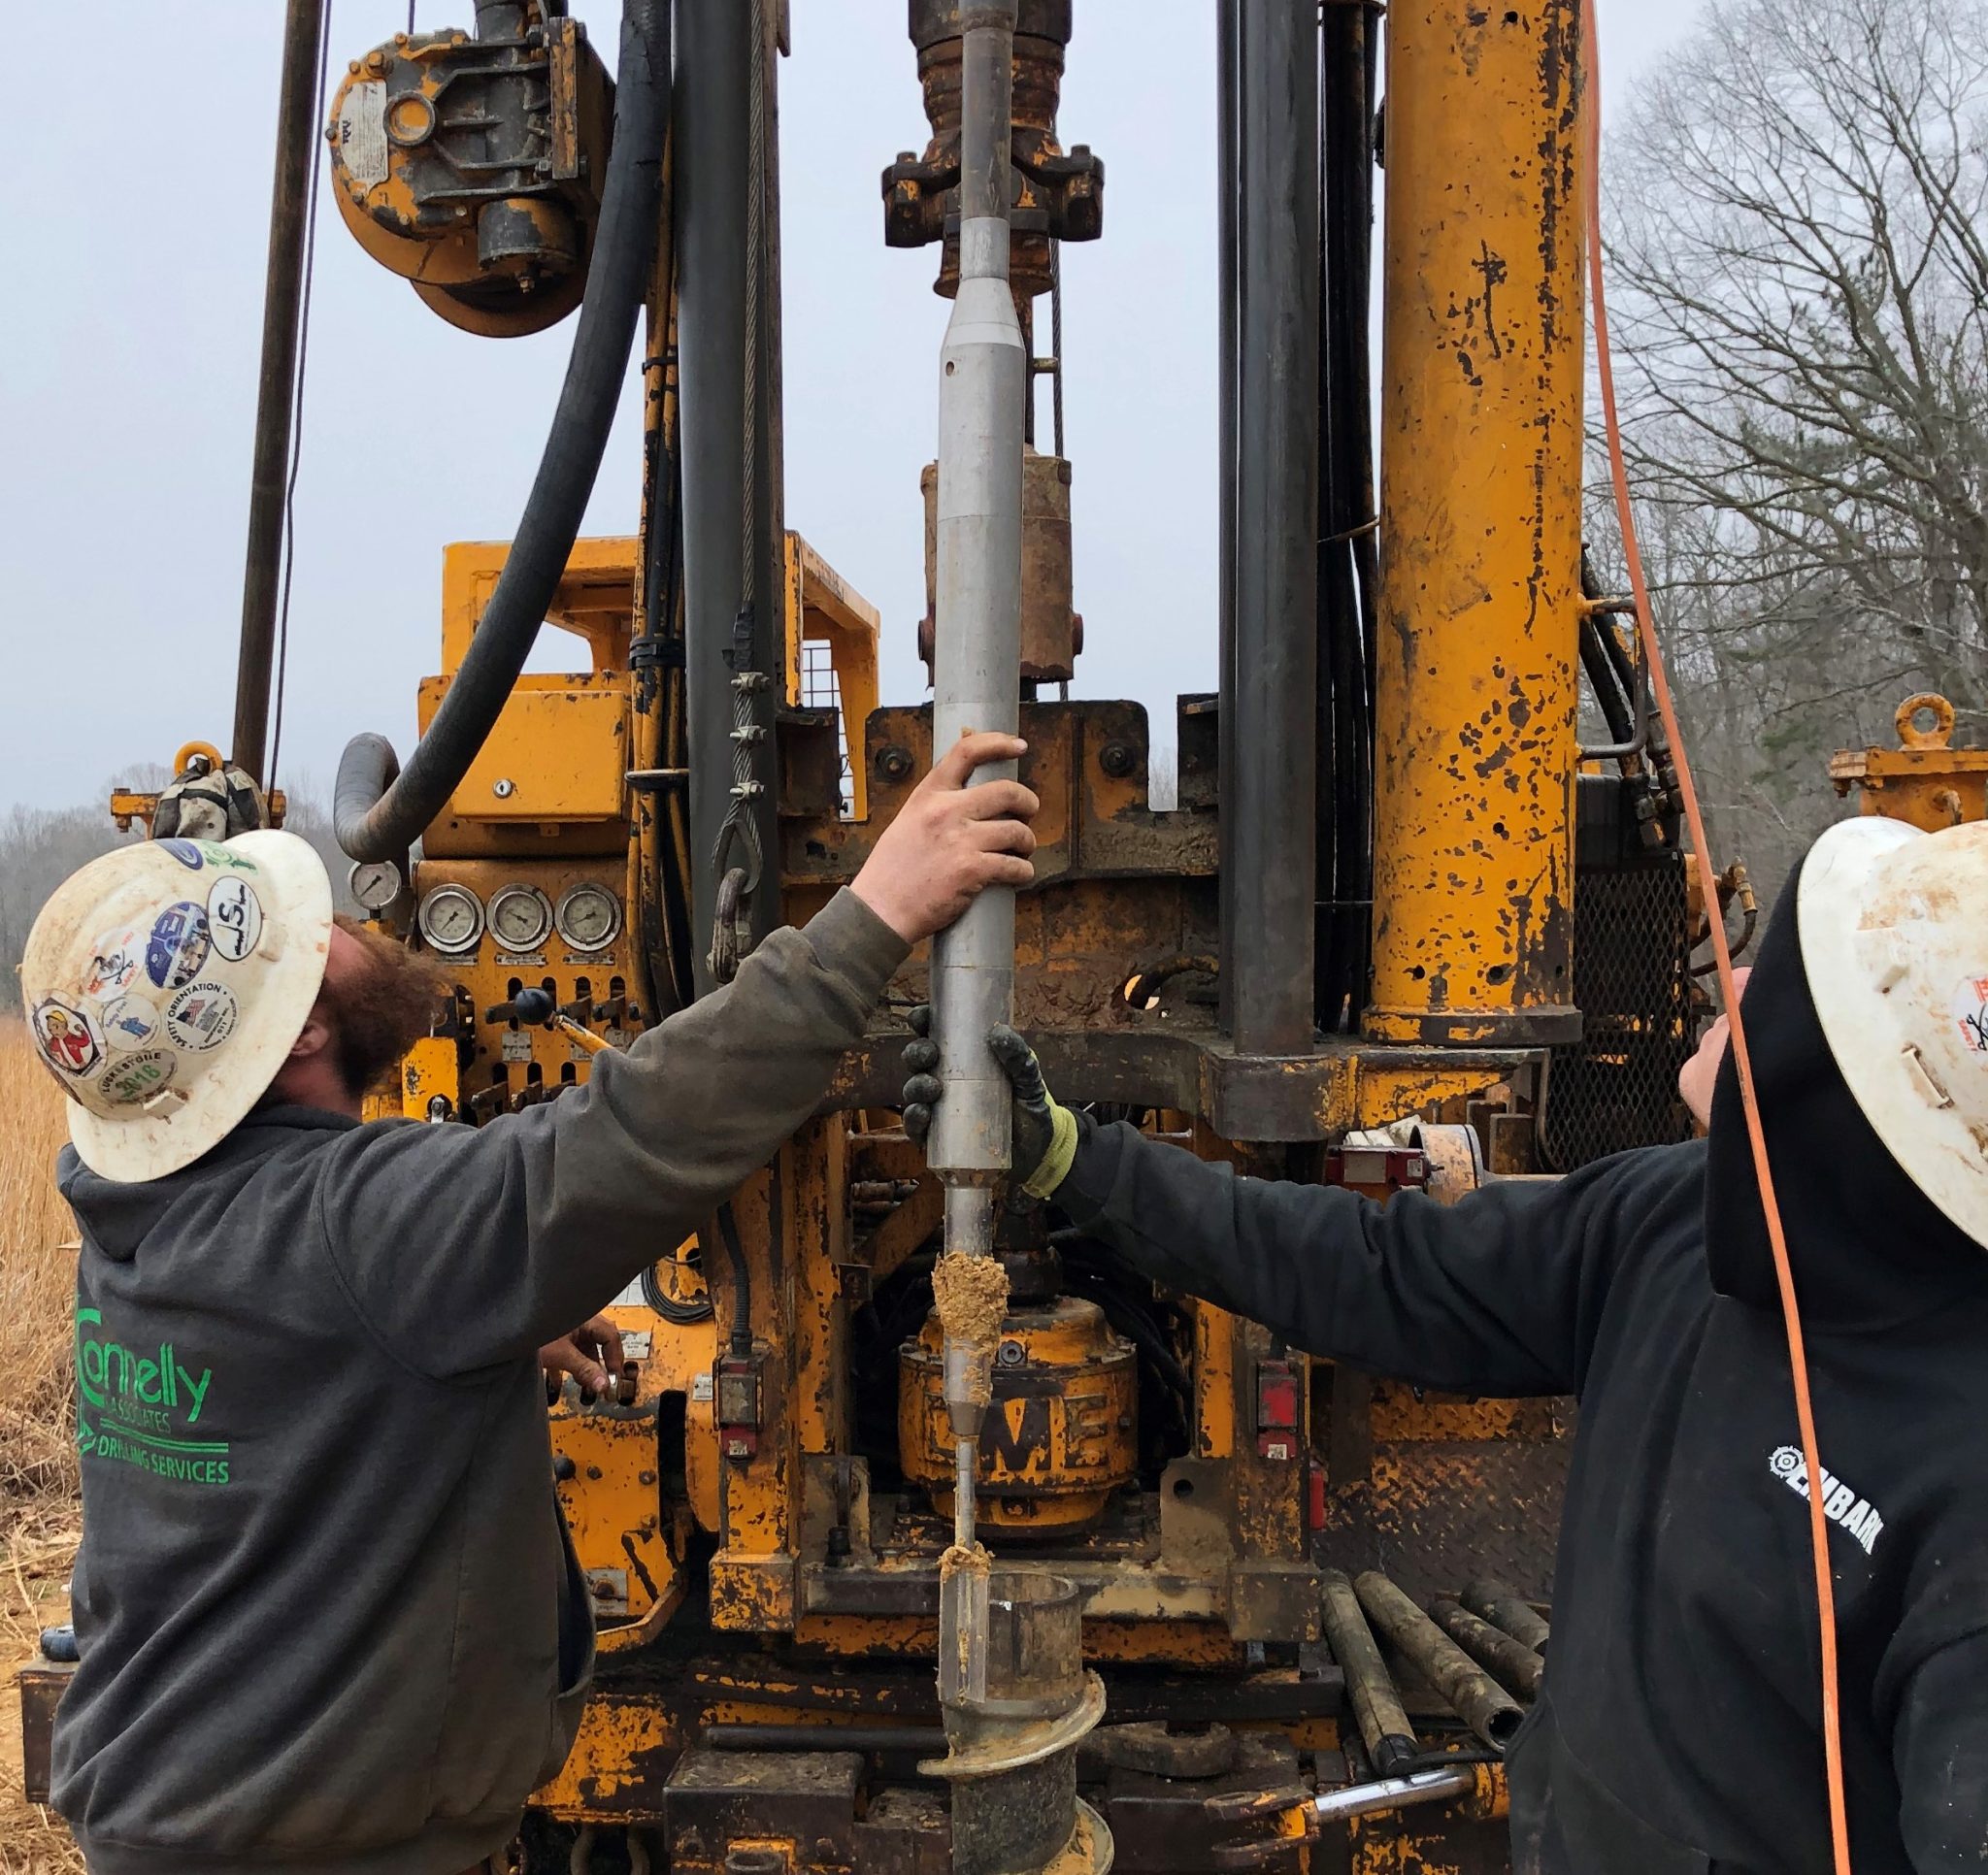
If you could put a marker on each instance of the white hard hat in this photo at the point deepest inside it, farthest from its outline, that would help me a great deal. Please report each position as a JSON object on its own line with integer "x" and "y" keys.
{"x": 1894, "y": 930}
{"x": 165, "y": 984}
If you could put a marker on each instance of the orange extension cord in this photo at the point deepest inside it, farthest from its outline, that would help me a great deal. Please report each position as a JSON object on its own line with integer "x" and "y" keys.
{"x": 1791, "y": 1315}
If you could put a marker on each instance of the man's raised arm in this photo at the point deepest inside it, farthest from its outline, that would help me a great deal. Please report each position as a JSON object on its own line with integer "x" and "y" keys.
{"x": 465, "y": 1247}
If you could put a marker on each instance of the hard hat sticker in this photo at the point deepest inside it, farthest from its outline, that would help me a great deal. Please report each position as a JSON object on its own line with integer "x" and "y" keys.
{"x": 234, "y": 918}
{"x": 129, "y": 1022}
{"x": 69, "y": 1039}
{"x": 219, "y": 855}
{"x": 178, "y": 946}
{"x": 138, "y": 1077}
{"x": 114, "y": 964}
{"x": 182, "y": 850}
{"x": 1971, "y": 1012}
{"x": 202, "y": 1015}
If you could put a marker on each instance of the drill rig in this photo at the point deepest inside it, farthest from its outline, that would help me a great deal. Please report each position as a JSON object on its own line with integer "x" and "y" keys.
{"x": 1358, "y": 949}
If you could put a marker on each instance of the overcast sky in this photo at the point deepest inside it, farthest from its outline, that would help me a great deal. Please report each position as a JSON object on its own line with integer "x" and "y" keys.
{"x": 137, "y": 231}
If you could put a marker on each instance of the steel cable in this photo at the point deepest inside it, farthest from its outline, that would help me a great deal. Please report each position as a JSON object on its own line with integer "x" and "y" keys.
{"x": 739, "y": 836}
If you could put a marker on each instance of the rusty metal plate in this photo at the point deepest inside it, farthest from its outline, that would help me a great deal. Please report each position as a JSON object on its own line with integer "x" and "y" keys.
{"x": 41, "y": 1689}
{"x": 1436, "y": 1513}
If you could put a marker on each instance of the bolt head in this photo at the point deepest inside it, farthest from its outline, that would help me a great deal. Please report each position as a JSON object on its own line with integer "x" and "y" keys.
{"x": 1118, "y": 759}
{"x": 894, "y": 764}
{"x": 1011, "y": 1354}
{"x": 503, "y": 789}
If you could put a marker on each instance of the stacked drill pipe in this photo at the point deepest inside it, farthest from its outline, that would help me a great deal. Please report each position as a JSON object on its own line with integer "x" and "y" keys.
{"x": 1515, "y": 1664}
{"x": 1472, "y": 1694}
{"x": 1494, "y": 1602}
{"x": 1384, "y": 1728}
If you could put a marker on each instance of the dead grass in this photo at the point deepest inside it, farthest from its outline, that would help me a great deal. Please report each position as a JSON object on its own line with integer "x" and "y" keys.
{"x": 39, "y": 1511}
{"x": 36, "y": 1283}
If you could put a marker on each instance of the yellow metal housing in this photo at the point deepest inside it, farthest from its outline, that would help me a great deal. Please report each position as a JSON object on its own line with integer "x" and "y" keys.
{"x": 1060, "y": 1436}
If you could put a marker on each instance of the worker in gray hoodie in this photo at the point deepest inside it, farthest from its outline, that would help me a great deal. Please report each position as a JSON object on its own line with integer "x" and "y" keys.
{"x": 328, "y": 1617}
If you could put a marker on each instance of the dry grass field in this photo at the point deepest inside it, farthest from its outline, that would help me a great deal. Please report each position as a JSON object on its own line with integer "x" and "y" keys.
{"x": 38, "y": 1479}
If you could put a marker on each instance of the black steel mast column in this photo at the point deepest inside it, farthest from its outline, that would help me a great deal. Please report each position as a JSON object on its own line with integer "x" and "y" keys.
{"x": 282, "y": 298}
{"x": 712, "y": 177}
{"x": 1270, "y": 660}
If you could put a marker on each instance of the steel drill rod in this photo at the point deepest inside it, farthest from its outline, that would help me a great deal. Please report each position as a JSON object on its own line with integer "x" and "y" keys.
{"x": 1477, "y": 1700}
{"x": 1393, "y": 1793}
{"x": 982, "y": 390}
{"x": 1494, "y": 1602}
{"x": 976, "y": 685}
{"x": 1516, "y": 1666}
{"x": 1384, "y": 1728}
{"x": 967, "y": 1460}
{"x": 276, "y": 390}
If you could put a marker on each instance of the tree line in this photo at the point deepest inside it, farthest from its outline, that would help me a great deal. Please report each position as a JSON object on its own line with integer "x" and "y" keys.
{"x": 41, "y": 846}
{"x": 1799, "y": 270}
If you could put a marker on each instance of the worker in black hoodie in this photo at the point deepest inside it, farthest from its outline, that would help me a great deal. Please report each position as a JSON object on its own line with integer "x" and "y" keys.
{"x": 1681, "y": 1728}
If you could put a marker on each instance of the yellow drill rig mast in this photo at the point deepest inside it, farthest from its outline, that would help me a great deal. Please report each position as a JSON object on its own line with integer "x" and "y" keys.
{"x": 1348, "y": 954}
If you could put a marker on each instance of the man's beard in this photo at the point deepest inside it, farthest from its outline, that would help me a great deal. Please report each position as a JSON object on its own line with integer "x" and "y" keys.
{"x": 383, "y": 1005}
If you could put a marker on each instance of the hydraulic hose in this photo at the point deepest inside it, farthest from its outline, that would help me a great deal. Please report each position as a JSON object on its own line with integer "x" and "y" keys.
{"x": 378, "y": 814}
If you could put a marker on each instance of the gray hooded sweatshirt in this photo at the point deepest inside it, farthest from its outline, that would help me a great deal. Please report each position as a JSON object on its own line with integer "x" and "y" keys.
{"x": 328, "y": 1616}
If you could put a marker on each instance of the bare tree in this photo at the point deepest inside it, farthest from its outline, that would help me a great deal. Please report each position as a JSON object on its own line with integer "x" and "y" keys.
{"x": 1800, "y": 276}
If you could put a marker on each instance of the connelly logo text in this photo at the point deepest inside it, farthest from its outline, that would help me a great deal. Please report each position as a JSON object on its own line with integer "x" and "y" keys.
{"x": 140, "y": 1405}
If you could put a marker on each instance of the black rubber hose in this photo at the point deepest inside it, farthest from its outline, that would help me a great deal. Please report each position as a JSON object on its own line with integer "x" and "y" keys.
{"x": 366, "y": 772}
{"x": 379, "y": 819}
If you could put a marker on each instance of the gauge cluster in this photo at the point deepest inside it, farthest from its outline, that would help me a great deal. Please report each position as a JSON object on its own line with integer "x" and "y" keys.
{"x": 519, "y": 918}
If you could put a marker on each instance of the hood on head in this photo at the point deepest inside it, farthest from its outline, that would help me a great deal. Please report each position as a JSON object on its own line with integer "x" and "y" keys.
{"x": 117, "y": 1214}
{"x": 1868, "y": 1248}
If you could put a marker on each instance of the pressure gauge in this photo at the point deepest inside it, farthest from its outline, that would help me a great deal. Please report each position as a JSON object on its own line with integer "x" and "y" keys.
{"x": 376, "y": 884}
{"x": 451, "y": 918}
{"x": 521, "y": 916}
{"x": 589, "y": 917}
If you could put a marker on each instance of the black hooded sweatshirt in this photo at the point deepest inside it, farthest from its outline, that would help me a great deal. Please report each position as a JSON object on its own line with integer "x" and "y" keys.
{"x": 1680, "y": 1730}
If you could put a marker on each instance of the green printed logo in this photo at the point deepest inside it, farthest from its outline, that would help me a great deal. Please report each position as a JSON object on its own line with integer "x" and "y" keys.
{"x": 146, "y": 1402}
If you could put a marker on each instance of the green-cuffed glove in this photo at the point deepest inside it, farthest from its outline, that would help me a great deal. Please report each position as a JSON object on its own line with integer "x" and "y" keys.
{"x": 1045, "y": 1133}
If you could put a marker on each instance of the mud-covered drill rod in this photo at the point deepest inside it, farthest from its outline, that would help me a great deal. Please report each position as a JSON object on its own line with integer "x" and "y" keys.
{"x": 983, "y": 387}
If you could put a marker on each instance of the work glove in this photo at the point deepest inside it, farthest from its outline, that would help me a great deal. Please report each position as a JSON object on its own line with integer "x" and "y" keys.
{"x": 1044, "y": 1134}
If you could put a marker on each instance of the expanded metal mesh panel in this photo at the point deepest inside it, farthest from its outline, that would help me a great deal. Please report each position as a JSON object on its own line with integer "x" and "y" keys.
{"x": 1617, "y": 1087}
{"x": 821, "y": 688}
